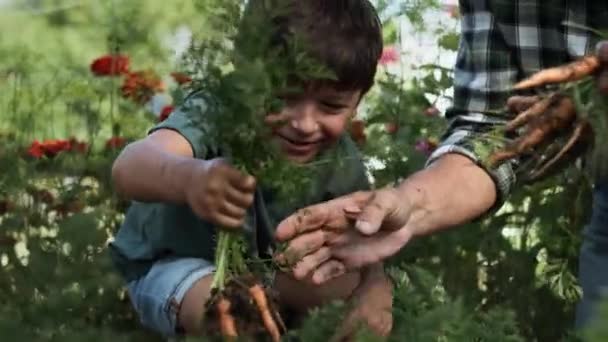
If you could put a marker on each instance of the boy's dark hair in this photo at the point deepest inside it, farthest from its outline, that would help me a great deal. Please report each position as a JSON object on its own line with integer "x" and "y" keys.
{"x": 343, "y": 35}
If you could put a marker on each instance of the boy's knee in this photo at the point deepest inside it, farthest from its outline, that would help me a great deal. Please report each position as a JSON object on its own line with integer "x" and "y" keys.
{"x": 303, "y": 295}
{"x": 192, "y": 308}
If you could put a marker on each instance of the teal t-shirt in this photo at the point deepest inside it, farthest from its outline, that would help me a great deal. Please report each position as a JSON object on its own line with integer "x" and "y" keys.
{"x": 152, "y": 231}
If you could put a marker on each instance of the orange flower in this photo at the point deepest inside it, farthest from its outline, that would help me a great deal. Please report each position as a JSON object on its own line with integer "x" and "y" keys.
{"x": 140, "y": 86}
{"x": 165, "y": 112}
{"x": 357, "y": 131}
{"x": 181, "y": 78}
{"x": 116, "y": 142}
{"x": 110, "y": 65}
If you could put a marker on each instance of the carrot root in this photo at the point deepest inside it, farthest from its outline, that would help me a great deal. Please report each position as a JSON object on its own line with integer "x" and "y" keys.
{"x": 259, "y": 297}
{"x": 566, "y": 73}
{"x": 532, "y": 112}
{"x": 574, "y": 138}
{"x": 227, "y": 321}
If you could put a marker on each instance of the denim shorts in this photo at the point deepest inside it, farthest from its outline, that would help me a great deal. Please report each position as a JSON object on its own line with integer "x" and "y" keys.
{"x": 157, "y": 296}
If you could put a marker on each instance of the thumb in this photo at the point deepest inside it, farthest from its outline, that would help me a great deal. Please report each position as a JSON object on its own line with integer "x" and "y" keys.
{"x": 380, "y": 206}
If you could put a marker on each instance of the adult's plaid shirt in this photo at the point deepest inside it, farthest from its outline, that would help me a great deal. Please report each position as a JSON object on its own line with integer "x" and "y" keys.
{"x": 503, "y": 41}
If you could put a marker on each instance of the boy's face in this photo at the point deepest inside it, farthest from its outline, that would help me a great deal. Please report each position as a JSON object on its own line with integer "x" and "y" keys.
{"x": 312, "y": 120}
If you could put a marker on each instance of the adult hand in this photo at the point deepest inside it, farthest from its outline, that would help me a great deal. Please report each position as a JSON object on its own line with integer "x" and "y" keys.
{"x": 328, "y": 239}
{"x": 602, "y": 54}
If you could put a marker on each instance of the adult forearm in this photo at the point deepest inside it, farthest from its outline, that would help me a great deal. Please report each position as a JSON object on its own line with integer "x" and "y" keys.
{"x": 144, "y": 172}
{"x": 452, "y": 191}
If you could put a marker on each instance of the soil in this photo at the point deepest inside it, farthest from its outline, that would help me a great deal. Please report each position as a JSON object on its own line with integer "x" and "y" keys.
{"x": 245, "y": 312}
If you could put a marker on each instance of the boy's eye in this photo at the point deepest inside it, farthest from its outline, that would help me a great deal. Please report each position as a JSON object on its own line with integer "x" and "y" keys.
{"x": 333, "y": 105}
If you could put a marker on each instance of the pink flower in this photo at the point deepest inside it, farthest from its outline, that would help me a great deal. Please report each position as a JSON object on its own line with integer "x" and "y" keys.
{"x": 431, "y": 111}
{"x": 390, "y": 55}
{"x": 425, "y": 146}
{"x": 453, "y": 10}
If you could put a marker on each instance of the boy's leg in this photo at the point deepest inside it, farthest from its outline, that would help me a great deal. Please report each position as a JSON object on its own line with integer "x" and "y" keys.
{"x": 192, "y": 310}
{"x": 301, "y": 296}
{"x": 369, "y": 291}
{"x": 166, "y": 298}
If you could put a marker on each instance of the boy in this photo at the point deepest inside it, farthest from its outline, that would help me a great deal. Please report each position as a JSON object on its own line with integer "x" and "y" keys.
{"x": 183, "y": 189}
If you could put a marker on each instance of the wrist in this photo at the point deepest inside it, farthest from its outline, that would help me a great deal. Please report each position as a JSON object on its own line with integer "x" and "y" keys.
{"x": 414, "y": 202}
{"x": 181, "y": 175}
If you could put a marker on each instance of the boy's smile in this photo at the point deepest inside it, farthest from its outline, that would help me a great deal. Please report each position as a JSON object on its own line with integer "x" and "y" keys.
{"x": 312, "y": 121}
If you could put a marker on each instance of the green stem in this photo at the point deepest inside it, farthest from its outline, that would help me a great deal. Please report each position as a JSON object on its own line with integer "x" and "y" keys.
{"x": 221, "y": 260}
{"x": 229, "y": 258}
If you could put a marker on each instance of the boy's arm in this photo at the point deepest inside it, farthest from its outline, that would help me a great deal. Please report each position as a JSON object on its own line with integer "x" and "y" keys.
{"x": 162, "y": 168}
{"x": 156, "y": 168}
{"x": 372, "y": 304}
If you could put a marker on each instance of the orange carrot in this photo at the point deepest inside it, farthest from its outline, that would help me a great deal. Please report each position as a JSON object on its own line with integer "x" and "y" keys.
{"x": 227, "y": 322}
{"x": 259, "y": 297}
{"x": 565, "y": 73}
{"x": 518, "y": 104}
{"x": 527, "y": 115}
{"x": 560, "y": 114}
{"x": 579, "y": 130}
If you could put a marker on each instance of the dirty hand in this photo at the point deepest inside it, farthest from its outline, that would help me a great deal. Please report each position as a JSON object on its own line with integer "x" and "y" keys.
{"x": 219, "y": 193}
{"x": 328, "y": 239}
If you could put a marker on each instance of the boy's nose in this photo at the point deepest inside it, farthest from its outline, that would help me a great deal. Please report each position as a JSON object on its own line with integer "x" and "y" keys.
{"x": 303, "y": 119}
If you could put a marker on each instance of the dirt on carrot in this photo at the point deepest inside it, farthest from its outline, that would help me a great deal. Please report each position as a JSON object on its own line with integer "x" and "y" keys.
{"x": 245, "y": 309}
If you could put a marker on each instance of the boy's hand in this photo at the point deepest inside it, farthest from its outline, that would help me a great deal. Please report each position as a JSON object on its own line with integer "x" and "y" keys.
{"x": 219, "y": 193}
{"x": 373, "y": 307}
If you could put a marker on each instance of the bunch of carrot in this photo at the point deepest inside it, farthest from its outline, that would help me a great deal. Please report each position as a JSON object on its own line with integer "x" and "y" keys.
{"x": 228, "y": 322}
{"x": 545, "y": 120}
{"x": 231, "y": 270}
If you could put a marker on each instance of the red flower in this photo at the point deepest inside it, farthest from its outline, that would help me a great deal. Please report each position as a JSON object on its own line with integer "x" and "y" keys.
{"x": 49, "y": 148}
{"x": 390, "y": 55}
{"x": 165, "y": 112}
{"x": 426, "y": 146}
{"x": 140, "y": 86}
{"x": 116, "y": 142}
{"x": 391, "y": 127}
{"x": 54, "y": 146}
{"x": 181, "y": 78}
{"x": 110, "y": 65}
{"x": 78, "y": 146}
{"x": 35, "y": 150}
{"x": 357, "y": 131}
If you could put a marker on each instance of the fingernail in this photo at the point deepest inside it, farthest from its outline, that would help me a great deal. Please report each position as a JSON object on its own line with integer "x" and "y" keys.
{"x": 352, "y": 209}
{"x": 364, "y": 227}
